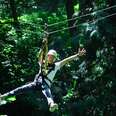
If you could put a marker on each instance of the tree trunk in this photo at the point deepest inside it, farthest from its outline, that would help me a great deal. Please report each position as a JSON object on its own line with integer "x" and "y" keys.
{"x": 70, "y": 12}
{"x": 14, "y": 16}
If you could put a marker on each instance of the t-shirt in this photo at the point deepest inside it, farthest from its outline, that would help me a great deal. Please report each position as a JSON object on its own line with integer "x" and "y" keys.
{"x": 51, "y": 75}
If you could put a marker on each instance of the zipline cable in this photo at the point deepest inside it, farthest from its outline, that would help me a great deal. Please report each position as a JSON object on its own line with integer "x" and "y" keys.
{"x": 49, "y": 25}
{"x": 99, "y": 19}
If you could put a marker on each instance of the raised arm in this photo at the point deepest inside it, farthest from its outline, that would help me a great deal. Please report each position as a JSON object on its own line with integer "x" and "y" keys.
{"x": 42, "y": 52}
{"x": 73, "y": 57}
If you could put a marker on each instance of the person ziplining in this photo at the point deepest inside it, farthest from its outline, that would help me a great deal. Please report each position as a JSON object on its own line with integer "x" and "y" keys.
{"x": 43, "y": 80}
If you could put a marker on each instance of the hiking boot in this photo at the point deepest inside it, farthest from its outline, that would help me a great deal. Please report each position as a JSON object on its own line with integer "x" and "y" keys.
{"x": 53, "y": 107}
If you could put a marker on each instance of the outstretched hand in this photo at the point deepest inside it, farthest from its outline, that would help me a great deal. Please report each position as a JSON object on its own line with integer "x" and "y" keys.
{"x": 81, "y": 52}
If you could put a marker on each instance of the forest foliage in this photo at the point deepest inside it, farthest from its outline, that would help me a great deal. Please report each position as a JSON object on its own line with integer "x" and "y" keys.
{"x": 84, "y": 87}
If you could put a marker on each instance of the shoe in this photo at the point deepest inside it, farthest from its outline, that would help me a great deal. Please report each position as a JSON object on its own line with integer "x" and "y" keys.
{"x": 53, "y": 107}
{"x": 5, "y": 100}
{"x": 2, "y": 100}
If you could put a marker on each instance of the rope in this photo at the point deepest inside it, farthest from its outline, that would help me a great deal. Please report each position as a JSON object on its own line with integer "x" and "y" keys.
{"x": 46, "y": 48}
{"x": 81, "y": 16}
{"x": 102, "y": 18}
{"x": 46, "y": 51}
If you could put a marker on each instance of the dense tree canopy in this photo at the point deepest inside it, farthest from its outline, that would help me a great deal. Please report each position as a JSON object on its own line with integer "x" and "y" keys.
{"x": 85, "y": 87}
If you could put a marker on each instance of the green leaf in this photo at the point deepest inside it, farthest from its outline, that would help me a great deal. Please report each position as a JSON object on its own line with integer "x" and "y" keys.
{"x": 13, "y": 98}
{"x": 76, "y": 7}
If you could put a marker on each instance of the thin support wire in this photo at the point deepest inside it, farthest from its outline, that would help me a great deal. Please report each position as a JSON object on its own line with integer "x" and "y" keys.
{"x": 90, "y": 22}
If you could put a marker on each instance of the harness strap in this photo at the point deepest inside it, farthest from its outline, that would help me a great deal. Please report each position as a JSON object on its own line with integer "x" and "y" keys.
{"x": 52, "y": 66}
{"x": 48, "y": 80}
